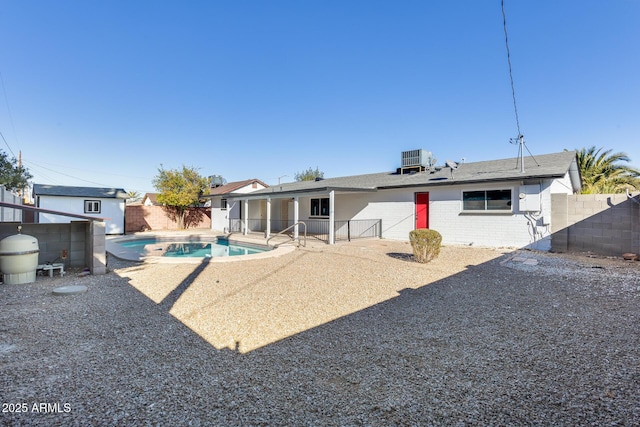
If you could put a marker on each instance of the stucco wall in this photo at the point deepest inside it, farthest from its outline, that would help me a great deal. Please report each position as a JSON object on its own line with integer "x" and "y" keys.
{"x": 110, "y": 208}
{"x": 249, "y": 188}
{"x": 219, "y": 218}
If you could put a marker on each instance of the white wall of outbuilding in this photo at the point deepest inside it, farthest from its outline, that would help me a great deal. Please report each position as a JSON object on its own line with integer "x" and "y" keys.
{"x": 109, "y": 208}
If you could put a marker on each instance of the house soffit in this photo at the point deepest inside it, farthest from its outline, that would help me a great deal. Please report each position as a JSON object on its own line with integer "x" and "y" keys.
{"x": 305, "y": 193}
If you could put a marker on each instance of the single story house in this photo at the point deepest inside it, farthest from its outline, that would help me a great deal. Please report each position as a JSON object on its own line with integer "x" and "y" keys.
{"x": 498, "y": 203}
{"x": 222, "y": 210}
{"x": 108, "y": 203}
{"x": 150, "y": 199}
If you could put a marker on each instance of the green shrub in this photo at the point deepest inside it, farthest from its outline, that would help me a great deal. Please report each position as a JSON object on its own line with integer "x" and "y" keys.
{"x": 425, "y": 244}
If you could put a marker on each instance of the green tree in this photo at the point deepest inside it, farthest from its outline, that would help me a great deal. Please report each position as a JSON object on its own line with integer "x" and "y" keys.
{"x": 309, "y": 175}
{"x": 604, "y": 172}
{"x": 12, "y": 176}
{"x": 180, "y": 190}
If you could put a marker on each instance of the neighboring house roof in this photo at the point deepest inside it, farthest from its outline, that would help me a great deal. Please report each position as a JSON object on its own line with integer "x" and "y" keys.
{"x": 152, "y": 197}
{"x": 555, "y": 165}
{"x": 233, "y": 186}
{"x": 68, "y": 191}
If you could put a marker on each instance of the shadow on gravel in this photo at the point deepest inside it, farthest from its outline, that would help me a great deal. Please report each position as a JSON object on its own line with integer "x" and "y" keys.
{"x": 168, "y": 302}
{"x": 401, "y": 256}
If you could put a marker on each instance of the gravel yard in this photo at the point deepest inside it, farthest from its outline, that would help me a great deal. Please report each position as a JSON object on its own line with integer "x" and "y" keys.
{"x": 350, "y": 334}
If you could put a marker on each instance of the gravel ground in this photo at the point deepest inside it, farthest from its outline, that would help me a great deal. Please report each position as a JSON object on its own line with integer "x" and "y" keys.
{"x": 351, "y": 334}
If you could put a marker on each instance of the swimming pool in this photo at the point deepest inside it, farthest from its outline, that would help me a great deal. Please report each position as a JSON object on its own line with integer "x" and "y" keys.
{"x": 189, "y": 248}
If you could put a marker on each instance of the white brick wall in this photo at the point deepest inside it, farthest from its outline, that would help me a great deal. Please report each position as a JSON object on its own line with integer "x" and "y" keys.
{"x": 396, "y": 208}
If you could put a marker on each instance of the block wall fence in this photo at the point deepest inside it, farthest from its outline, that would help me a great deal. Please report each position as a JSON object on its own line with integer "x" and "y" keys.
{"x": 605, "y": 224}
{"x": 83, "y": 243}
{"x": 144, "y": 218}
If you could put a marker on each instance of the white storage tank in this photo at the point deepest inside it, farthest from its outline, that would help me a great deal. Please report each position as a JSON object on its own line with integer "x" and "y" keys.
{"x": 19, "y": 259}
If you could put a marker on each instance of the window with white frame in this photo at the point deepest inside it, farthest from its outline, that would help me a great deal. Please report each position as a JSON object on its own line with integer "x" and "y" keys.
{"x": 223, "y": 204}
{"x": 487, "y": 200}
{"x": 92, "y": 206}
{"x": 320, "y": 207}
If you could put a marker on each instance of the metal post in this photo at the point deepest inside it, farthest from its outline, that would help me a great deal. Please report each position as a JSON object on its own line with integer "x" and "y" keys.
{"x": 268, "y": 230}
{"x": 295, "y": 217}
{"x": 245, "y": 204}
{"x": 521, "y": 140}
{"x": 332, "y": 218}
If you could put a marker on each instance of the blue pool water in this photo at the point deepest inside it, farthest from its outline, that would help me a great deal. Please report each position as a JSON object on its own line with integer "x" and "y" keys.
{"x": 191, "y": 249}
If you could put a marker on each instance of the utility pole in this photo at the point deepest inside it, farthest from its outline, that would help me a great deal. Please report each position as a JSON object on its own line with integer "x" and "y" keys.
{"x": 21, "y": 190}
{"x": 521, "y": 141}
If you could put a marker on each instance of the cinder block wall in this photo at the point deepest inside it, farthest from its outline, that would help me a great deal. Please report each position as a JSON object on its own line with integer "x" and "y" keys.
{"x": 96, "y": 248}
{"x": 53, "y": 239}
{"x": 140, "y": 217}
{"x": 605, "y": 224}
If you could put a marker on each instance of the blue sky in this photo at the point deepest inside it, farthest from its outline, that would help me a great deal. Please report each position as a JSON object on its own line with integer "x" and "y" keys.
{"x": 101, "y": 93}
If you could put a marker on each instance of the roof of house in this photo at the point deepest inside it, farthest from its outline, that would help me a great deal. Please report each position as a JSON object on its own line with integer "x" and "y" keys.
{"x": 555, "y": 165}
{"x": 233, "y": 186}
{"x": 153, "y": 198}
{"x": 68, "y": 191}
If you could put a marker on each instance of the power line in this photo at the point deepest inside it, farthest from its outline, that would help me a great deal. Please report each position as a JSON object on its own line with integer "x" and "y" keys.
{"x": 47, "y": 177}
{"x": 513, "y": 90}
{"x": 6, "y": 100}
{"x": 520, "y": 139}
{"x": 65, "y": 174}
{"x": 7, "y": 144}
{"x": 93, "y": 171}
{"x": 34, "y": 166}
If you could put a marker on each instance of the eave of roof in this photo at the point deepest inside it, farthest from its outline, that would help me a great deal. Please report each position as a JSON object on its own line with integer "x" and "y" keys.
{"x": 230, "y": 187}
{"x": 70, "y": 191}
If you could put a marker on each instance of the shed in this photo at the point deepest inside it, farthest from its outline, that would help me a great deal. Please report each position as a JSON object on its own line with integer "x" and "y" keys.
{"x": 89, "y": 201}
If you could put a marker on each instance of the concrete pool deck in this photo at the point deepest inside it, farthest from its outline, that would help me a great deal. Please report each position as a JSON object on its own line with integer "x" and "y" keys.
{"x": 131, "y": 254}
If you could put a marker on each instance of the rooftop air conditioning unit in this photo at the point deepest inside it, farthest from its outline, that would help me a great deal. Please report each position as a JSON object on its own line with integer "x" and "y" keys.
{"x": 217, "y": 180}
{"x": 415, "y": 158}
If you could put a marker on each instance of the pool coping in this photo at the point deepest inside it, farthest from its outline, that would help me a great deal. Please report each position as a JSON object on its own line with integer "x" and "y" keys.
{"x": 128, "y": 254}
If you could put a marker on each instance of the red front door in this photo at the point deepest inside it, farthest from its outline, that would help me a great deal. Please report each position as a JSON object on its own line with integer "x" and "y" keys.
{"x": 422, "y": 210}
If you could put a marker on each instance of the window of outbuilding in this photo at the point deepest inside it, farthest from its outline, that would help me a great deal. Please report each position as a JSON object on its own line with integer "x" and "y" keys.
{"x": 92, "y": 206}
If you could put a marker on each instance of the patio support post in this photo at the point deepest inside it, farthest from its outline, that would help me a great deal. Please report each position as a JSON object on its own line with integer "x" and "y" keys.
{"x": 332, "y": 217}
{"x": 245, "y": 219}
{"x": 268, "y": 231}
{"x": 295, "y": 217}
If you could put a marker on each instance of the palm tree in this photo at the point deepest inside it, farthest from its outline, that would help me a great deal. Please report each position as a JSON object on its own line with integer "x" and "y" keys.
{"x": 133, "y": 196}
{"x": 602, "y": 172}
